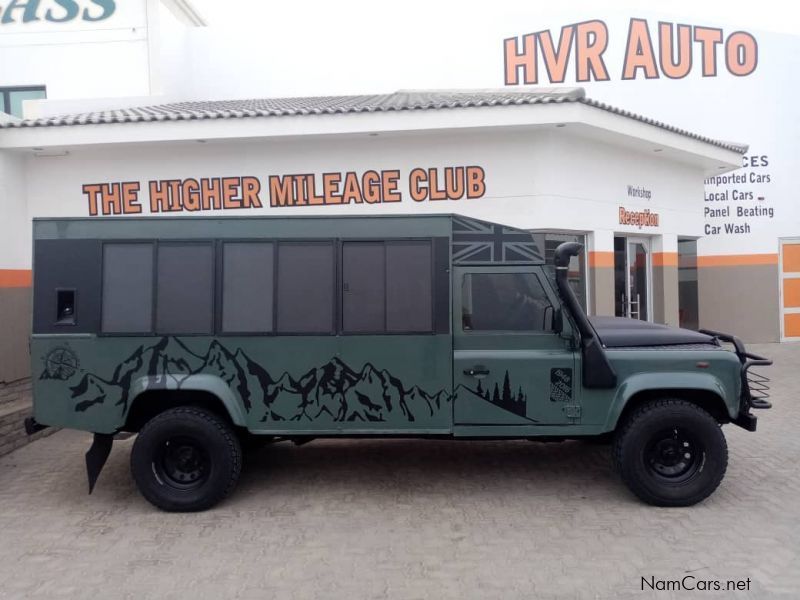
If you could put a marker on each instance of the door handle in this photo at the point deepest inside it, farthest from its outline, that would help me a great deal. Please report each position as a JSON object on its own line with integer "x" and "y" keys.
{"x": 478, "y": 371}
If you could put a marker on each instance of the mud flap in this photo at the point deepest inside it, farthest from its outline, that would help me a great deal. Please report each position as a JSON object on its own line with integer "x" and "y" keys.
{"x": 97, "y": 455}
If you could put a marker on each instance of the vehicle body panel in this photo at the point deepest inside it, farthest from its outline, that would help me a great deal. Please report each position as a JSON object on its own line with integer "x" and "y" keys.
{"x": 277, "y": 384}
{"x": 352, "y": 384}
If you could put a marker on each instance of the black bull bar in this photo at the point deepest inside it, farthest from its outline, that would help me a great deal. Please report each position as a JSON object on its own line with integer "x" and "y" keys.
{"x": 755, "y": 388}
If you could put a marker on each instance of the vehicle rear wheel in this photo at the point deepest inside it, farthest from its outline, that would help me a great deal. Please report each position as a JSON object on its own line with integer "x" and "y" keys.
{"x": 671, "y": 453}
{"x": 186, "y": 459}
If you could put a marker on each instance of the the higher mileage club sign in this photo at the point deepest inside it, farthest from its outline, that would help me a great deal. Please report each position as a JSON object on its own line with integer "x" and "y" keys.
{"x": 280, "y": 191}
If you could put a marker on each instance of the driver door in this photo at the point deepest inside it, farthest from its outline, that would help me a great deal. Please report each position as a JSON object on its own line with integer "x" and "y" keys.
{"x": 510, "y": 366}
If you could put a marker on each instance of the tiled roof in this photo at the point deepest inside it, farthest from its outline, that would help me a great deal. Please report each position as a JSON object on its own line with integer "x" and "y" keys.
{"x": 324, "y": 105}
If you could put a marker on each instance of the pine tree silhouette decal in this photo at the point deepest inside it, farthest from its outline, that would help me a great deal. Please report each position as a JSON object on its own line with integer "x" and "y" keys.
{"x": 502, "y": 396}
{"x": 506, "y": 390}
{"x": 508, "y": 401}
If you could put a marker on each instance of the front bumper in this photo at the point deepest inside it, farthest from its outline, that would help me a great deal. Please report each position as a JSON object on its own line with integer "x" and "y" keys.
{"x": 754, "y": 386}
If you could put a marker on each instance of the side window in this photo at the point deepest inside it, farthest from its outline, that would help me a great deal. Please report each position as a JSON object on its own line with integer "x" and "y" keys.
{"x": 505, "y": 302}
{"x": 247, "y": 287}
{"x": 386, "y": 287}
{"x": 305, "y": 287}
{"x": 409, "y": 293}
{"x": 127, "y": 288}
{"x": 184, "y": 296}
{"x": 363, "y": 287}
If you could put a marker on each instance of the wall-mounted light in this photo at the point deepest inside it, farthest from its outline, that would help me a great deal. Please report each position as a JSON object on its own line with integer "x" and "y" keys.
{"x": 42, "y": 153}
{"x": 372, "y": 134}
{"x": 561, "y": 124}
{"x": 201, "y": 141}
{"x": 658, "y": 149}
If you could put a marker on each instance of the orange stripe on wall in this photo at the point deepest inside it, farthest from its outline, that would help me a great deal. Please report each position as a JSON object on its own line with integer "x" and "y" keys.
{"x": 737, "y": 260}
{"x": 601, "y": 259}
{"x": 15, "y": 278}
{"x": 791, "y": 258}
{"x": 665, "y": 259}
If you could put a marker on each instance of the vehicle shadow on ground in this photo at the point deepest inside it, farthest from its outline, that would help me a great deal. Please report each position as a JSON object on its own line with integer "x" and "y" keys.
{"x": 382, "y": 469}
{"x": 386, "y": 466}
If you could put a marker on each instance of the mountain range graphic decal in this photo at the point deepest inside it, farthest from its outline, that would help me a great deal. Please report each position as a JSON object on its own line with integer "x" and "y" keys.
{"x": 331, "y": 392}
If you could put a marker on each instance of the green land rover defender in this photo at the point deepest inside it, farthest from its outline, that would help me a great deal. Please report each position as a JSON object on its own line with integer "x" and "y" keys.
{"x": 201, "y": 334}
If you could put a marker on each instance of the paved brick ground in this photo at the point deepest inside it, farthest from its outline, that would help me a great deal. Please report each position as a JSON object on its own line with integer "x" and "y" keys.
{"x": 407, "y": 519}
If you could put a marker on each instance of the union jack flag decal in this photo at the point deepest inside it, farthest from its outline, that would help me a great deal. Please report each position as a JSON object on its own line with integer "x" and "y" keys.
{"x": 481, "y": 242}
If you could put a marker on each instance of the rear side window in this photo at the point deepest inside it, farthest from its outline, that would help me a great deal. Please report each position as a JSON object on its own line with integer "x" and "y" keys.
{"x": 306, "y": 273}
{"x": 363, "y": 287}
{"x": 505, "y": 302}
{"x": 409, "y": 293}
{"x": 263, "y": 287}
{"x": 387, "y": 287}
{"x": 184, "y": 297}
{"x": 127, "y": 288}
{"x": 247, "y": 287}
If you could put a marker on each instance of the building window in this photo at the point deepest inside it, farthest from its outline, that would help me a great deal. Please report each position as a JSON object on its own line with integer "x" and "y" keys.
{"x": 11, "y": 98}
{"x": 247, "y": 287}
{"x": 576, "y": 274}
{"x": 184, "y": 293}
{"x": 127, "y": 288}
{"x": 688, "y": 312}
{"x": 504, "y": 302}
{"x": 305, "y": 287}
{"x": 386, "y": 287}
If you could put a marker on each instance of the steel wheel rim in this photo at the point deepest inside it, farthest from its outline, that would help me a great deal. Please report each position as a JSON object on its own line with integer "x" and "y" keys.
{"x": 674, "y": 455}
{"x": 182, "y": 463}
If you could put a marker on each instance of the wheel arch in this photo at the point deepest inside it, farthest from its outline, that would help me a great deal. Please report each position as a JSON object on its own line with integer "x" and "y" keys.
{"x": 704, "y": 391}
{"x": 206, "y": 391}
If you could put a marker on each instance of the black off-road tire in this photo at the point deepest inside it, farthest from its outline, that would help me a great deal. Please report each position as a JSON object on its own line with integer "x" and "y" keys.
{"x": 186, "y": 459}
{"x": 644, "y": 450}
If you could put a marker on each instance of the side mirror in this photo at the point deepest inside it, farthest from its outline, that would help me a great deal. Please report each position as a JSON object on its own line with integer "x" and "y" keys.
{"x": 558, "y": 320}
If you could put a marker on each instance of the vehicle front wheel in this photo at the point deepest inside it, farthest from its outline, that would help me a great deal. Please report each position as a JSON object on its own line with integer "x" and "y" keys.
{"x": 186, "y": 459}
{"x": 671, "y": 453}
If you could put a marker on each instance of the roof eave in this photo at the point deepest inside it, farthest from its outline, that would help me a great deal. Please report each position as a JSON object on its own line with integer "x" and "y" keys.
{"x": 364, "y": 123}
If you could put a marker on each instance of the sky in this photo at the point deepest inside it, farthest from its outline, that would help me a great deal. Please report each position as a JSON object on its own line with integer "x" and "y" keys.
{"x": 351, "y": 47}
{"x": 773, "y": 15}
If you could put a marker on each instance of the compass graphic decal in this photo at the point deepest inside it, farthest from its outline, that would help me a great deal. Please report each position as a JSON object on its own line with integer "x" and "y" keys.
{"x": 60, "y": 363}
